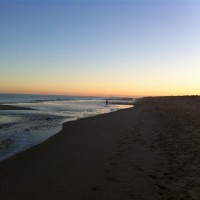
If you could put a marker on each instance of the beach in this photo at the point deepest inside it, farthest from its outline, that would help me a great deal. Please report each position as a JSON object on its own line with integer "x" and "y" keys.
{"x": 147, "y": 152}
{"x": 27, "y": 120}
{"x": 10, "y": 107}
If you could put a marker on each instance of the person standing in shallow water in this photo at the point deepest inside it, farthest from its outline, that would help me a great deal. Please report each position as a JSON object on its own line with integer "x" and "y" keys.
{"x": 106, "y": 102}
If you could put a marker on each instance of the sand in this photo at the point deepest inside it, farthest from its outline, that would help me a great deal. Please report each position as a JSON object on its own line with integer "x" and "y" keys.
{"x": 9, "y": 107}
{"x": 147, "y": 152}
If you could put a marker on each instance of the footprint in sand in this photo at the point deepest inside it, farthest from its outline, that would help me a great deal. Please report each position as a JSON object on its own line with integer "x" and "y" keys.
{"x": 111, "y": 179}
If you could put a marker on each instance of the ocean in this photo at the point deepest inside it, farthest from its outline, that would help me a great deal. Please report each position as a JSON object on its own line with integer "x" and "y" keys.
{"x": 22, "y": 129}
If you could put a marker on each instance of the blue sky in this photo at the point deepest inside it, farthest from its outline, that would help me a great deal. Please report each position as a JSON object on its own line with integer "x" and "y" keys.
{"x": 100, "y": 47}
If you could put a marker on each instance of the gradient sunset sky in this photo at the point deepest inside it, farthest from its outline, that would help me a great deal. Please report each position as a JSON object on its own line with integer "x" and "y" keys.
{"x": 109, "y": 48}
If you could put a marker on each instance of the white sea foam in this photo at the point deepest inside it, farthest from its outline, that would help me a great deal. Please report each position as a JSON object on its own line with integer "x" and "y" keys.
{"x": 21, "y": 129}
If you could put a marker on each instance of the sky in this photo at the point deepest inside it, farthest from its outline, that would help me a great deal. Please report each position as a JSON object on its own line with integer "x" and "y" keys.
{"x": 105, "y": 48}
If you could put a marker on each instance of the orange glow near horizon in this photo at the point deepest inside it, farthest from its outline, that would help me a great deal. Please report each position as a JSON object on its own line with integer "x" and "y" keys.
{"x": 119, "y": 91}
{"x": 141, "y": 50}
{"x": 115, "y": 83}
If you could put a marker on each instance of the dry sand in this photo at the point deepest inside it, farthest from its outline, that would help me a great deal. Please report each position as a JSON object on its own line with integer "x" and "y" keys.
{"x": 148, "y": 152}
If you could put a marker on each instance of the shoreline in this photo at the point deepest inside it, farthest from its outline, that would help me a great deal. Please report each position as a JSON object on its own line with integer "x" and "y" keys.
{"x": 144, "y": 152}
{"x": 10, "y": 149}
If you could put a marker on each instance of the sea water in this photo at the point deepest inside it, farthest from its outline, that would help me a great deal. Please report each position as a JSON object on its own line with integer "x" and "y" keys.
{"x": 22, "y": 129}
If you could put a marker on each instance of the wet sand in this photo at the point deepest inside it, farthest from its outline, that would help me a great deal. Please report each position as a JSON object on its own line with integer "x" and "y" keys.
{"x": 9, "y": 107}
{"x": 148, "y": 152}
